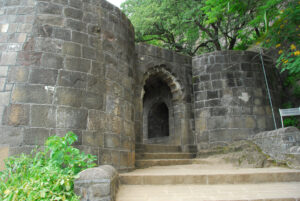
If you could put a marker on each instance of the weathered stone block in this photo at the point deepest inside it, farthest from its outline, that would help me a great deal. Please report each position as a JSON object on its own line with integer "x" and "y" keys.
{"x": 49, "y": 8}
{"x": 96, "y": 85}
{"x": 71, "y": 118}
{"x": 43, "y": 76}
{"x": 63, "y": 34}
{"x": 69, "y": 97}
{"x": 35, "y": 136}
{"x": 72, "y": 49}
{"x": 4, "y": 98}
{"x": 31, "y": 94}
{"x": 111, "y": 141}
{"x": 52, "y": 61}
{"x": 29, "y": 58}
{"x": 93, "y": 101}
{"x": 79, "y": 37}
{"x": 8, "y": 58}
{"x": 76, "y": 25}
{"x": 72, "y": 79}
{"x": 99, "y": 183}
{"x": 77, "y": 64}
{"x": 90, "y": 138}
{"x": 88, "y": 53}
{"x": 97, "y": 120}
{"x": 16, "y": 114}
{"x": 250, "y": 122}
{"x": 43, "y": 116}
{"x": 50, "y": 19}
{"x": 73, "y": 13}
{"x": 18, "y": 74}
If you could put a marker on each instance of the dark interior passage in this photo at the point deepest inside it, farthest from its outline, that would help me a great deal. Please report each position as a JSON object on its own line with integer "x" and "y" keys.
{"x": 158, "y": 121}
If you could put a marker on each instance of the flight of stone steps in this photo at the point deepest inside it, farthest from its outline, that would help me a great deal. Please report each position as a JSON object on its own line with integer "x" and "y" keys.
{"x": 168, "y": 174}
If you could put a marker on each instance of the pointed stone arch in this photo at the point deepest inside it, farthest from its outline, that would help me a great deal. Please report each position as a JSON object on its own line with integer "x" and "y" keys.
{"x": 174, "y": 84}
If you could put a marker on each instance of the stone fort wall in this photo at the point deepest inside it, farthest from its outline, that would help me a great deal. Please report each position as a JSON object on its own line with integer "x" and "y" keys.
{"x": 67, "y": 65}
{"x": 72, "y": 65}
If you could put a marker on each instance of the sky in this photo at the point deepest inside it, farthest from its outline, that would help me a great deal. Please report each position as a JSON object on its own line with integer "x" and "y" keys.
{"x": 116, "y": 2}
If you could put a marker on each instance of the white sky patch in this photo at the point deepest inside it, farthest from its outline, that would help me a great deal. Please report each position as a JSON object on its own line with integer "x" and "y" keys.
{"x": 116, "y": 2}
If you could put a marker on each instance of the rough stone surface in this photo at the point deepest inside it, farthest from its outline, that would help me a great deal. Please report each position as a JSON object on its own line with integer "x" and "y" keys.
{"x": 282, "y": 144}
{"x": 230, "y": 95}
{"x": 99, "y": 183}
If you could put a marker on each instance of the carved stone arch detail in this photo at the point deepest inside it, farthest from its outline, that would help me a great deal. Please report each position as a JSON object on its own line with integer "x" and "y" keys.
{"x": 170, "y": 79}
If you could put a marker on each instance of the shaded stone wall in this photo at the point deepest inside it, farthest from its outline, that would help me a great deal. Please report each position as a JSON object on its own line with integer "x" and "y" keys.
{"x": 67, "y": 65}
{"x": 175, "y": 71}
{"x": 231, "y": 101}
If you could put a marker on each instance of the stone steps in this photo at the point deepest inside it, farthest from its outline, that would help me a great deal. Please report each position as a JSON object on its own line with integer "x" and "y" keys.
{"x": 193, "y": 175}
{"x": 209, "y": 181}
{"x": 172, "y": 175}
{"x": 145, "y": 156}
{"x": 249, "y": 192}
{"x": 155, "y": 148}
{"x": 161, "y": 162}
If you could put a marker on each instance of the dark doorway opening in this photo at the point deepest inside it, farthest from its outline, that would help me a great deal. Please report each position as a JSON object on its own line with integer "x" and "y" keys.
{"x": 158, "y": 121}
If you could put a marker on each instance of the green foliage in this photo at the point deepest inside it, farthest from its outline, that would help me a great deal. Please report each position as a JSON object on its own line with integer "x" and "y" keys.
{"x": 45, "y": 175}
{"x": 290, "y": 121}
{"x": 196, "y": 26}
{"x": 284, "y": 35}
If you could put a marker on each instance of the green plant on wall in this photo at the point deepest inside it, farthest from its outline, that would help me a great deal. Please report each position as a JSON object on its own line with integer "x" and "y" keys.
{"x": 45, "y": 175}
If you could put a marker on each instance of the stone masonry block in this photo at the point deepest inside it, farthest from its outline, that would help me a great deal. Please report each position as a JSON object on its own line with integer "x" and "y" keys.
{"x": 18, "y": 74}
{"x": 62, "y": 34}
{"x": 29, "y": 58}
{"x": 8, "y": 58}
{"x": 95, "y": 139}
{"x": 4, "y": 98}
{"x": 76, "y": 25}
{"x": 31, "y": 94}
{"x": 77, "y": 64}
{"x": 16, "y": 115}
{"x": 43, "y": 76}
{"x": 99, "y": 183}
{"x": 93, "y": 101}
{"x": 49, "y": 8}
{"x": 72, "y": 79}
{"x": 74, "y": 118}
{"x": 111, "y": 141}
{"x": 97, "y": 120}
{"x": 35, "y": 136}
{"x": 69, "y": 96}
{"x": 89, "y": 53}
{"x": 96, "y": 85}
{"x": 71, "y": 49}
{"x": 11, "y": 135}
{"x": 43, "y": 116}
{"x": 50, "y": 60}
{"x": 73, "y": 13}
{"x": 50, "y": 20}
{"x": 79, "y": 37}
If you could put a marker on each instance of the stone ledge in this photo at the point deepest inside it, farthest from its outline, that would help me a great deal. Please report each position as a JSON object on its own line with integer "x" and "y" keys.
{"x": 283, "y": 145}
{"x": 99, "y": 183}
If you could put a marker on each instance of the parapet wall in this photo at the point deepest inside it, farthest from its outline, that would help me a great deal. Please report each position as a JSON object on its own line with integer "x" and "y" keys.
{"x": 231, "y": 101}
{"x": 67, "y": 65}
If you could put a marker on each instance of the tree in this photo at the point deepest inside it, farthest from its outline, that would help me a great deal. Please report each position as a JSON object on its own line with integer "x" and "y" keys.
{"x": 195, "y": 26}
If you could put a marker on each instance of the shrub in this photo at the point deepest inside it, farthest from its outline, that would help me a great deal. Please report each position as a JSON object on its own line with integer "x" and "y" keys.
{"x": 45, "y": 175}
